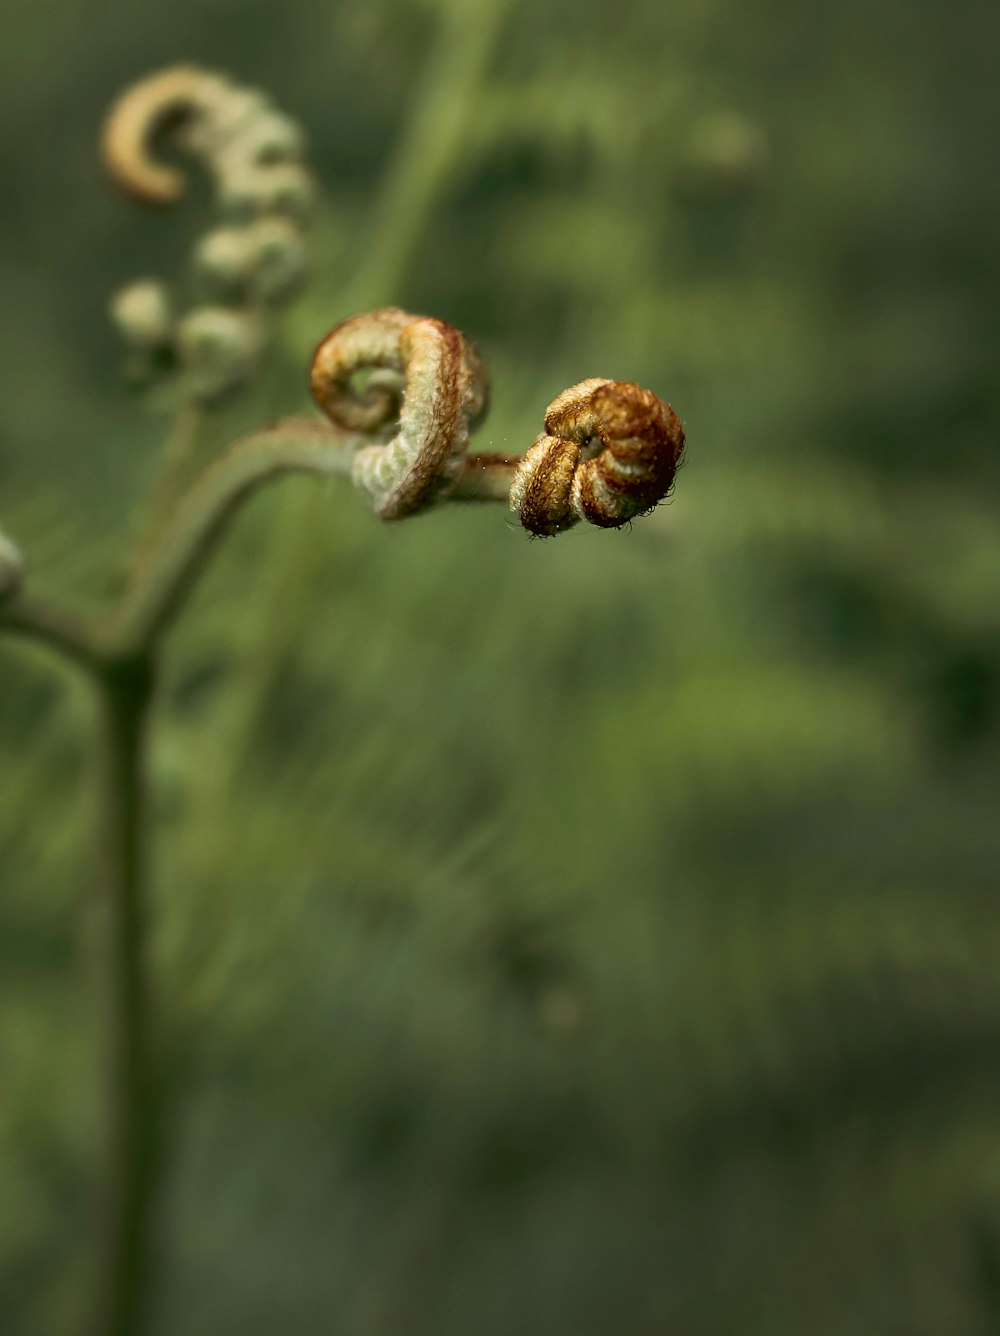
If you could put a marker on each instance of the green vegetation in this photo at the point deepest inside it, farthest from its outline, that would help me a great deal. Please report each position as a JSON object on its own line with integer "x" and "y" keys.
{"x": 590, "y": 936}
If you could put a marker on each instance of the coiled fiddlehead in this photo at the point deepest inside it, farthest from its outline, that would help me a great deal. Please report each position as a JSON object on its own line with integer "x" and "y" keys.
{"x": 609, "y": 451}
{"x": 250, "y": 263}
{"x": 428, "y": 390}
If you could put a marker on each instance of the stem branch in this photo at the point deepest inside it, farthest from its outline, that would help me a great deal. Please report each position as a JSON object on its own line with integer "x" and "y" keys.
{"x": 30, "y": 620}
{"x": 299, "y": 445}
{"x": 122, "y": 667}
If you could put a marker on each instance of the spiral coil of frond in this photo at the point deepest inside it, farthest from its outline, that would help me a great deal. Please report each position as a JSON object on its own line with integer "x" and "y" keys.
{"x": 247, "y": 265}
{"x": 609, "y": 451}
{"x": 429, "y": 389}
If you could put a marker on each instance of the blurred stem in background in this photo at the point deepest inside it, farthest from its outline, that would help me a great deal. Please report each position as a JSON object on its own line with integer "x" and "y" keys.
{"x": 431, "y": 145}
{"x": 429, "y": 148}
{"x": 176, "y": 460}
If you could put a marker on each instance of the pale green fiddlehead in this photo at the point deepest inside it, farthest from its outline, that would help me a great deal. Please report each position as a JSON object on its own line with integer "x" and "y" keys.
{"x": 418, "y": 414}
{"x": 248, "y": 265}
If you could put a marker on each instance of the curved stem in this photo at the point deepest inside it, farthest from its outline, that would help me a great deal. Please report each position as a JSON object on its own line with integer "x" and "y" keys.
{"x": 30, "y": 620}
{"x": 302, "y": 445}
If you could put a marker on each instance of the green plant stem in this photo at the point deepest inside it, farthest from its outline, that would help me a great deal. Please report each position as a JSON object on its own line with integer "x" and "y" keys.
{"x": 124, "y": 689}
{"x": 485, "y": 477}
{"x": 125, "y": 692}
{"x": 42, "y": 624}
{"x": 121, "y": 664}
{"x": 168, "y": 484}
{"x": 305, "y": 445}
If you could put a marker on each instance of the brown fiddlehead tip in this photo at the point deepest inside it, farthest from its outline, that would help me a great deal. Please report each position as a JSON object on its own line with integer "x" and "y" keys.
{"x": 252, "y": 151}
{"x": 140, "y": 114}
{"x": 427, "y": 389}
{"x": 609, "y": 452}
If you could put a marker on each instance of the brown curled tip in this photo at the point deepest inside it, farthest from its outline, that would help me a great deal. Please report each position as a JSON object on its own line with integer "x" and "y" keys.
{"x": 609, "y": 452}
{"x": 413, "y": 417}
{"x": 140, "y": 114}
{"x": 361, "y": 342}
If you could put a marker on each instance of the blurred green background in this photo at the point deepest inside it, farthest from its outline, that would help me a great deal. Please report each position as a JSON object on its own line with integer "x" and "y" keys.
{"x": 577, "y": 937}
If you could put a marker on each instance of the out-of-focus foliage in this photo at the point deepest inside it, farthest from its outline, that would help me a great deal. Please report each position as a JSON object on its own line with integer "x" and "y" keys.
{"x": 594, "y": 936}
